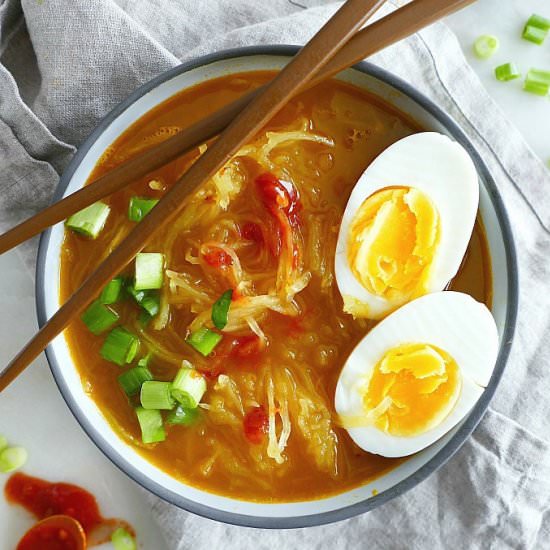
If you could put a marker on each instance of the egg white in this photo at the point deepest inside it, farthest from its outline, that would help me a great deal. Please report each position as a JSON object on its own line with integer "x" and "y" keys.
{"x": 443, "y": 170}
{"x": 451, "y": 321}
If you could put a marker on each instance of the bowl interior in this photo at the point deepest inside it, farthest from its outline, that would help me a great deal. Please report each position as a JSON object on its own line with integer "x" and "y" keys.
{"x": 225, "y": 509}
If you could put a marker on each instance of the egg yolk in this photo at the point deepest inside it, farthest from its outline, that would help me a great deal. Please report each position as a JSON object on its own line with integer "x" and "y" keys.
{"x": 391, "y": 244}
{"x": 412, "y": 389}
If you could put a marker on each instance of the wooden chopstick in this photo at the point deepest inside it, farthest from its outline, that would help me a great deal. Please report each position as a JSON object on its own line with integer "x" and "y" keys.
{"x": 384, "y": 32}
{"x": 321, "y": 48}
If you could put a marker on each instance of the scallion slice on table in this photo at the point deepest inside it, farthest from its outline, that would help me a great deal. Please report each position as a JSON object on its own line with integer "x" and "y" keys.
{"x": 537, "y": 82}
{"x": 534, "y": 34}
{"x": 538, "y": 88}
{"x": 132, "y": 380}
{"x": 536, "y": 29}
{"x": 150, "y": 422}
{"x": 220, "y": 309}
{"x": 182, "y": 416}
{"x": 539, "y": 22}
{"x": 157, "y": 395}
{"x": 120, "y": 346}
{"x": 188, "y": 387}
{"x": 149, "y": 271}
{"x": 112, "y": 291}
{"x": 139, "y": 208}
{"x": 485, "y": 46}
{"x": 538, "y": 75}
{"x": 506, "y": 72}
{"x": 122, "y": 540}
{"x": 98, "y": 317}
{"x": 90, "y": 220}
{"x": 204, "y": 340}
{"x": 12, "y": 458}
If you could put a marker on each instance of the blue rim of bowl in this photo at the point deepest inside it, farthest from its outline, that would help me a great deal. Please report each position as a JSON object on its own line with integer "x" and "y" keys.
{"x": 424, "y": 471}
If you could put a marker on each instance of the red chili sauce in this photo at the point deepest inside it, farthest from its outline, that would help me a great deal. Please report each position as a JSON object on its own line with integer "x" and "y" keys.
{"x": 48, "y": 537}
{"x": 44, "y": 499}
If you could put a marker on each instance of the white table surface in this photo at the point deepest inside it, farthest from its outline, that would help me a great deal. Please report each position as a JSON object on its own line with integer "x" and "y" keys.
{"x": 505, "y": 19}
{"x": 32, "y": 412}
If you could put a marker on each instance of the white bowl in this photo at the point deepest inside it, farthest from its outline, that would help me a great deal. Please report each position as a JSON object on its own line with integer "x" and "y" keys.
{"x": 292, "y": 514}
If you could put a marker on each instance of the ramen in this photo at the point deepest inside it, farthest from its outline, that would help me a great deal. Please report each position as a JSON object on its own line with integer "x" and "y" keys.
{"x": 230, "y": 326}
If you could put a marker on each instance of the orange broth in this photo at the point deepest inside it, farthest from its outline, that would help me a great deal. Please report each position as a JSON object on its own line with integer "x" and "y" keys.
{"x": 304, "y": 352}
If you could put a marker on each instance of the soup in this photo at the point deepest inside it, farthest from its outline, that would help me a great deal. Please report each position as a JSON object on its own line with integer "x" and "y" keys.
{"x": 265, "y": 228}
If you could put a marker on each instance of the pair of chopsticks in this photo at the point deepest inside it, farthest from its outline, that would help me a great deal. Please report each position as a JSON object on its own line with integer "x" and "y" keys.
{"x": 339, "y": 44}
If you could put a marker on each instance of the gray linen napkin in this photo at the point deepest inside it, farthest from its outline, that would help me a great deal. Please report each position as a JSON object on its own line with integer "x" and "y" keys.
{"x": 63, "y": 65}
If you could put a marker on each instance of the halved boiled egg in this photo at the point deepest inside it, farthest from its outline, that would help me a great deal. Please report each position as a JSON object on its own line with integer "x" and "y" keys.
{"x": 406, "y": 225}
{"x": 417, "y": 374}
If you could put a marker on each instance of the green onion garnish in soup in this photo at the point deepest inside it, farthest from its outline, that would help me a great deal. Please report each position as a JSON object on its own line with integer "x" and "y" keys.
{"x": 151, "y": 303}
{"x": 204, "y": 340}
{"x": 112, "y": 292}
{"x": 131, "y": 380}
{"x": 220, "y": 309}
{"x": 98, "y": 317}
{"x": 188, "y": 387}
{"x": 149, "y": 271}
{"x": 157, "y": 395}
{"x": 150, "y": 423}
{"x": 120, "y": 346}
{"x": 139, "y": 208}
{"x": 90, "y": 220}
{"x": 182, "y": 416}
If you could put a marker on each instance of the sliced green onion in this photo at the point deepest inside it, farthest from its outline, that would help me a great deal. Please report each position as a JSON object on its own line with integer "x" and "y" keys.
{"x": 149, "y": 271}
{"x": 90, "y": 220}
{"x": 537, "y": 82}
{"x": 144, "y": 318}
{"x": 132, "y": 379}
{"x": 112, "y": 291}
{"x": 506, "y": 72}
{"x": 538, "y": 88}
{"x": 122, "y": 540}
{"x": 534, "y": 34}
{"x": 188, "y": 387}
{"x": 151, "y": 303}
{"x": 485, "y": 46}
{"x": 137, "y": 295}
{"x": 182, "y": 416}
{"x": 538, "y": 75}
{"x": 204, "y": 340}
{"x": 120, "y": 346}
{"x": 539, "y": 21}
{"x": 99, "y": 317}
{"x": 150, "y": 422}
{"x": 3, "y": 442}
{"x": 157, "y": 395}
{"x": 12, "y": 458}
{"x": 149, "y": 300}
{"x": 139, "y": 208}
{"x": 220, "y": 309}
{"x": 145, "y": 360}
